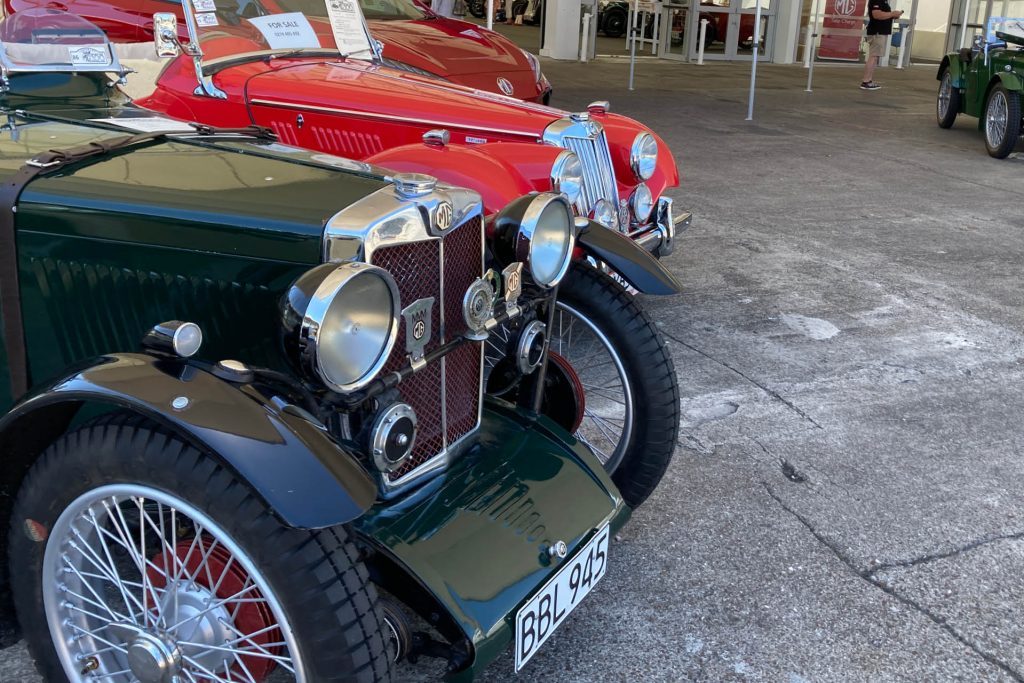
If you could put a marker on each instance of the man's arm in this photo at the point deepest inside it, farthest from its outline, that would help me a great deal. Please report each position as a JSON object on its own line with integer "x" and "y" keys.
{"x": 881, "y": 15}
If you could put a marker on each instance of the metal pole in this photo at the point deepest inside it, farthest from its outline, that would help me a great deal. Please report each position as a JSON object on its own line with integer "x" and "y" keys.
{"x": 903, "y": 46}
{"x": 963, "y": 24}
{"x": 703, "y": 35}
{"x": 753, "y": 64}
{"x": 911, "y": 30}
{"x": 812, "y": 31}
{"x": 811, "y": 37}
{"x": 490, "y": 15}
{"x": 585, "y": 46}
{"x": 632, "y": 43}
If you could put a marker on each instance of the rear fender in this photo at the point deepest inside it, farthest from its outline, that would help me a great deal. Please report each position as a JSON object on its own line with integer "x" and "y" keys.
{"x": 288, "y": 460}
{"x": 520, "y": 168}
{"x": 956, "y": 70}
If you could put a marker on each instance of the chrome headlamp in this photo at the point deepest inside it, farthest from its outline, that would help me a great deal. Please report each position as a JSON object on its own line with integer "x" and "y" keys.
{"x": 538, "y": 230}
{"x": 567, "y": 176}
{"x": 642, "y": 203}
{"x": 341, "y": 322}
{"x": 643, "y": 155}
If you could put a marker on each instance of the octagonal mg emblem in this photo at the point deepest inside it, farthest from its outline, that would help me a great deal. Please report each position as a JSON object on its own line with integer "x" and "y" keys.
{"x": 443, "y": 216}
{"x": 505, "y": 86}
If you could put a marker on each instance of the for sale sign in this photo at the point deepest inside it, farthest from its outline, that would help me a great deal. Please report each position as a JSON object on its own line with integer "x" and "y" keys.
{"x": 842, "y": 29}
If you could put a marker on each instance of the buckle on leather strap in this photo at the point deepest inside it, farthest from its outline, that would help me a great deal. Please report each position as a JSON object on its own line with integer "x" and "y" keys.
{"x": 36, "y": 163}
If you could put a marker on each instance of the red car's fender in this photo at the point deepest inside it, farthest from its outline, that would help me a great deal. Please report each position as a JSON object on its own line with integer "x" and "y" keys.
{"x": 621, "y": 132}
{"x": 512, "y": 171}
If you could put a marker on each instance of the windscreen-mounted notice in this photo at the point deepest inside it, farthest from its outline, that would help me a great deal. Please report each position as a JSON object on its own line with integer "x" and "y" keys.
{"x": 350, "y": 33}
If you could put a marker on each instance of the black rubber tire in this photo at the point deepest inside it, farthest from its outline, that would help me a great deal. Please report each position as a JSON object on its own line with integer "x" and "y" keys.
{"x": 614, "y": 25}
{"x": 650, "y": 372}
{"x": 710, "y": 35}
{"x": 519, "y": 8}
{"x": 947, "y": 118}
{"x": 477, "y": 9}
{"x": 317, "y": 576}
{"x": 1011, "y": 132}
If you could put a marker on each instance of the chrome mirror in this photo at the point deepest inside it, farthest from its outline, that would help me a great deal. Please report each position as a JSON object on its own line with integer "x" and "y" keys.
{"x": 165, "y": 34}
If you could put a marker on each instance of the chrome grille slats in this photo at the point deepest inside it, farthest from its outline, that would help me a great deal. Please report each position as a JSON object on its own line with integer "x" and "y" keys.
{"x": 598, "y": 175}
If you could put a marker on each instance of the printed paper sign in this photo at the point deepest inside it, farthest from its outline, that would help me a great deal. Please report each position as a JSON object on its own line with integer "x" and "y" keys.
{"x": 347, "y": 23}
{"x": 150, "y": 124}
{"x": 842, "y": 29}
{"x": 286, "y": 30}
{"x": 206, "y": 19}
{"x": 205, "y": 5}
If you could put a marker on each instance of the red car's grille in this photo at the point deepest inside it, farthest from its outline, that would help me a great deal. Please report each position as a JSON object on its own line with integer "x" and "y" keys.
{"x": 445, "y": 394}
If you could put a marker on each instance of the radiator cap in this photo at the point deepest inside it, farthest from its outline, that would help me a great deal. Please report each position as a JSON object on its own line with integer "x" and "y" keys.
{"x": 414, "y": 184}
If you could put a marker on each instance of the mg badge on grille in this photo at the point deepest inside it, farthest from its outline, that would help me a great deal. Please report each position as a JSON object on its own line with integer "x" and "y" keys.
{"x": 512, "y": 277}
{"x": 478, "y": 308}
{"x": 505, "y": 86}
{"x": 417, "y": 326}
{"x": 443, "y": 216}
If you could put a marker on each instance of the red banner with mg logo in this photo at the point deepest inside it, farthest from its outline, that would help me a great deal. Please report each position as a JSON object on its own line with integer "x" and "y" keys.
{"x": 842, "y": 29}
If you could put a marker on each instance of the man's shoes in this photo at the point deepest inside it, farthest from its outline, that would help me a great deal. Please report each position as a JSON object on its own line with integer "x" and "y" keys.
{"x": 869, "y": 85}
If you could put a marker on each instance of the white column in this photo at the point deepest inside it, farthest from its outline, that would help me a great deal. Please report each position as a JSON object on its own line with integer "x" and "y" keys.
{"x": 787, "y": 31}
{"x": 561, "y": 29}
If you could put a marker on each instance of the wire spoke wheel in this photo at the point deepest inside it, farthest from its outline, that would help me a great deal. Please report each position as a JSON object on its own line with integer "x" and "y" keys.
{"x": 608, "y": 414}
{"x": 995, "y": 119}
{"x": 945, "y": 93}
{"x": 139, "y": 585}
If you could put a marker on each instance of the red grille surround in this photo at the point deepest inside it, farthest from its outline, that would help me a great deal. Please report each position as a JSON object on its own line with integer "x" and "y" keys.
{"x": 442, "y": 268}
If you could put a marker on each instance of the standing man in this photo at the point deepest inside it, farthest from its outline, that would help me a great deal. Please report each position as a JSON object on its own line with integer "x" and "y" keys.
{"x": 880, "y": 17}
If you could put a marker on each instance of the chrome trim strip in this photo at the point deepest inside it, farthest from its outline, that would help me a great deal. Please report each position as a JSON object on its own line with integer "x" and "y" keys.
{"x": 389, "y": 117}
{"x": 444, "y": 359}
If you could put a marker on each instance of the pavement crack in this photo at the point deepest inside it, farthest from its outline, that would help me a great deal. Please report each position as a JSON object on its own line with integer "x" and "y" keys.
{"x": 924, "y": 559}
{"x": 766, "y": 389}
{"x": 868, "y": 576}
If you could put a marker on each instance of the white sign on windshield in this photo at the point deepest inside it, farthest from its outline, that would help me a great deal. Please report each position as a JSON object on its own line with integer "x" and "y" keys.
{"x": 286, "y": 30}
{"x": 347, "y": 24}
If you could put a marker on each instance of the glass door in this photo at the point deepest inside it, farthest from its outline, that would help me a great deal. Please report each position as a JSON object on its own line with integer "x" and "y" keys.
{"x": 673, "y": 32}
{"x": 730, "y": 28}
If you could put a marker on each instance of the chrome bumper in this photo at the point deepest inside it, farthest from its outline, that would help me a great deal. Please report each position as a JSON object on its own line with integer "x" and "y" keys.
{"x": 660, "y": 235}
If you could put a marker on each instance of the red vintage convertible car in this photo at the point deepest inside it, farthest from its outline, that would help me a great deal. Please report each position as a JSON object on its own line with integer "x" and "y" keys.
{"x": 415, "y": 39}
{"x": 317, "y": 81}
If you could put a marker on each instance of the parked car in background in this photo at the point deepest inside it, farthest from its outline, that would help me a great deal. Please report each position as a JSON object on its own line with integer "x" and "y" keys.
{"x": 414, "y": 39}
{"x": 613, "y": 21}
{"x": 986, "y": 81}
{"x": 245, "y": 425}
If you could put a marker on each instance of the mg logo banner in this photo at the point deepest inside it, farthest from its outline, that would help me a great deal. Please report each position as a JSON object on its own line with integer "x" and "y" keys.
{"x": 842, "y": 29}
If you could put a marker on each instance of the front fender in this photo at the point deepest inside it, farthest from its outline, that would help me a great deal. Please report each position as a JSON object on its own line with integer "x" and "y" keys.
{"x": 518, "y": 169}
{"x": 644, "y": 272}
{"x": 302, "y": 474}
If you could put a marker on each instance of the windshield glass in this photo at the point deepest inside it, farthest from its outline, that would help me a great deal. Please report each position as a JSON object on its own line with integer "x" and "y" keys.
{"x": 45, "y": 39}
{"x": 233, "y": 28}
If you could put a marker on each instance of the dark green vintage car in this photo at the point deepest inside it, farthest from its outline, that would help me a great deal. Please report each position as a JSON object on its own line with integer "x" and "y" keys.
{"x": 986, "y": 81}
{"x": 270, "y": 415}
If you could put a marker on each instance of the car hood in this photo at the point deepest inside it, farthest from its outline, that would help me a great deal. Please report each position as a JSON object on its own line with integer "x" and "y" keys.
{"x": 448, "y": 47}
{"x": 380, "y": 92}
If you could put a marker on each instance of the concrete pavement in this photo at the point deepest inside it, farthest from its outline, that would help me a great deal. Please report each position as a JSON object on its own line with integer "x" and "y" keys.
{"x": 845, "y": 503}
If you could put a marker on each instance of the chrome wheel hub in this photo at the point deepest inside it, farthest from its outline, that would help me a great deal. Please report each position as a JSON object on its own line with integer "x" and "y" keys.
{"x": 153, "y": 660}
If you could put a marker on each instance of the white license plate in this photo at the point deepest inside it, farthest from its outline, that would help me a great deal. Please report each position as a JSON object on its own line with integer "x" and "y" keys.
{"x": 545, "y": 612}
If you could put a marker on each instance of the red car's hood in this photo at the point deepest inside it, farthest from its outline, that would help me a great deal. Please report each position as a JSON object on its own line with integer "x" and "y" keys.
{"x": 428, "y": 44}
{"x": 359, "y": 87}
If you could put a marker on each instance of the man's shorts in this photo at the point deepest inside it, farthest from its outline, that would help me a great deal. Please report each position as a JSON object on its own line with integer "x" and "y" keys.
{"x": 877, "y": 45}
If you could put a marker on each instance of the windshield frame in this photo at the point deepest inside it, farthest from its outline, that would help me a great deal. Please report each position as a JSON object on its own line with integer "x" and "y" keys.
{"x": 113, "y": 65}
{"x": 205, "y": 68}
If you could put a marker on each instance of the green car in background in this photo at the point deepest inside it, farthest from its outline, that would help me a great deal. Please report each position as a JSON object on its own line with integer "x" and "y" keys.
{"x": 986, "y": 81}
{"x": 270, "y": 415}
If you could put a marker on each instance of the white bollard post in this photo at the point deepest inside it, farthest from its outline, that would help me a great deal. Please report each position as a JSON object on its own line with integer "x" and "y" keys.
{"x": 812, "y": 24}
{"x": 490, "y": 15}
{"x": 700, "y": 38}
{"x": 585, "y": 43}
{"x": 904, "y": 34}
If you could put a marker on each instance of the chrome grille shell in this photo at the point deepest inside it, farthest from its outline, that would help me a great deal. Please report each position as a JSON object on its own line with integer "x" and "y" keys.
{"x": 399, "y": 234}
{"x": 586, "y": 138}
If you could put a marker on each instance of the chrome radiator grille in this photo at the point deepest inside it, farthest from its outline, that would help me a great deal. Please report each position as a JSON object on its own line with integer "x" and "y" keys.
{"x": 598, "y": 174}
{"x": 446, "y": 394}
